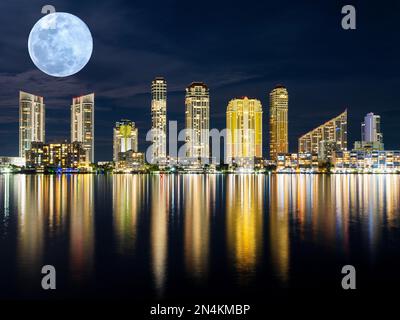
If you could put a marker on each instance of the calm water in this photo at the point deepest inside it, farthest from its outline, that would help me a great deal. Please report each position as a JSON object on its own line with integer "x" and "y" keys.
{"x": 154, "y": 237}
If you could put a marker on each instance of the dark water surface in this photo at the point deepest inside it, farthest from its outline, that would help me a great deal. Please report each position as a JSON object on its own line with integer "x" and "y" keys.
{"x": 156, "y": 237}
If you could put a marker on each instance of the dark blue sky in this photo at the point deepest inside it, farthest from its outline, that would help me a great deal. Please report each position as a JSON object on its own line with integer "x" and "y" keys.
{"x": 237, "y": 48}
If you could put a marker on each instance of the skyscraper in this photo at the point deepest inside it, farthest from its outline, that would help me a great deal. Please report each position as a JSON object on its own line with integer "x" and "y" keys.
{"x": 278, "y": 121}
{"x": 371, "y": 128}
{"x": 159, "y": 118}
{"x": 244, "y": 125}
{"x": 125, "y": 138}
{"x": 334, "y": 130}
{"x": 197, "y": 117}
{"x": 82, "y": 123}
{"x": 31, "y": 121}
{"x": 371, "y": 135}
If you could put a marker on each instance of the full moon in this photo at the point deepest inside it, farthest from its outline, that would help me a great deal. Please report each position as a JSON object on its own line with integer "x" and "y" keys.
{"x": 60, "y": 44}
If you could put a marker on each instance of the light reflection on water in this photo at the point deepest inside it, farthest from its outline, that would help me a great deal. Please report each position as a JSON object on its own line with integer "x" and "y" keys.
{"x": 190, "y": 228}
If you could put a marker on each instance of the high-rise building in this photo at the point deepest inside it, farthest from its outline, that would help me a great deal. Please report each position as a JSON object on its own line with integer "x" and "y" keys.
{"x": 159, "y": 118}
{"x": 278, "y": 122}
{"x": 197, "y": 117}
{"x": 82, "y": 123}
{"x": 334, "y": 130}
{"x": 31, "y": 121}
{"x": 244, "y": 126}
{"x": 125, "y": 138}
{"x": 371, "y": 135}
{"x": 371, "y": 128}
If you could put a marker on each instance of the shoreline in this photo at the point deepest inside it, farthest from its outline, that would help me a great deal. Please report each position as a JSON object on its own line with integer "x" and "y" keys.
{"x": 198, "y": 173}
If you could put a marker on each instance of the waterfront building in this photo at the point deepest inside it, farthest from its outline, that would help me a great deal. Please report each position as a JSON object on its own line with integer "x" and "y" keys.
{"x": 82, "y": 123}
{"x": 56, "y": 155}
{"x": 371, "y": 128}
{"x": 333, "y": 131}
{"x": 244, "y": 132}
{"x": 12, "y": 161}
{"x": 197, "y": 120}
{"x": 297, "y": 162}
{"x": 130, "y": 161}
{"x": 367, "y": 161}
{"x": 125, "y": 138}
{"x": 371, "y": 134}
{"x": 31, "y": 121}
{"x": 278, "y": 122}
{"x": 159, "y": 119}
{"x": 326, "y": 150}
{"x": 11, "y": 164}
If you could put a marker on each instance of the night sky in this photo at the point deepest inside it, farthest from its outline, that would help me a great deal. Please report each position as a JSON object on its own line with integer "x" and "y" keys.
{"x": 238, "y": 49}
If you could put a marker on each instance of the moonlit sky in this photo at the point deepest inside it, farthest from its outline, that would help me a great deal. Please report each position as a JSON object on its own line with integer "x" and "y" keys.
{"x": 60, "y": 44}
{"x": 237, "y": 47}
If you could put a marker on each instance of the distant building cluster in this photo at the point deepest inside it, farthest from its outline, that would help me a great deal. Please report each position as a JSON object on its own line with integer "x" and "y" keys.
{"x": 323, "y": 149}
{"x": 37, "y": 155}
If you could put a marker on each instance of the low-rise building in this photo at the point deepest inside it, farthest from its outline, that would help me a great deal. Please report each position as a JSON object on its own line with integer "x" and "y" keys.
{"x": 367, "y": 161}
{"x": 130, "y": 161}
{"x": 55, "y": 155}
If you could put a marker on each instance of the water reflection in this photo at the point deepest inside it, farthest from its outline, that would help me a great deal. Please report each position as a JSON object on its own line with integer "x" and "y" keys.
{"x": 127, "y": 198}
{"x": 165, "y": 224}
{"x": 32, "y": 204}
{"x": 81, "y": 226}
{"x": 282, "y": 202}
{"x": 244, "y": 210}
{"x": 5, "y": 200}
{"x": 199, "y": 193}
{"x": 159, "y": 229}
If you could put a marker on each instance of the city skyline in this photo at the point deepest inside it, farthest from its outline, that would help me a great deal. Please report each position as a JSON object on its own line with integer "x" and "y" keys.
{"x": 324, "y": 139}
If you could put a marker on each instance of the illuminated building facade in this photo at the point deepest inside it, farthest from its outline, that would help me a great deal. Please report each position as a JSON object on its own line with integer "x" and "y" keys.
{"x": 367, "y": 161}
{"x": 278, "y": 122}
{"x": 12, "y": 161}
{"x": 130, "y": 161}
{"x": 371, "y": 128}
{"x": 159, "y": 119}
{"x": 371, "y": 135}
{"x": 244, "y": 131}
{"x": 31, "y": 121}
{"x": 197, "y": 120}
{"x": 82, "y": 123}
{"x": 125, "y": 138}
{"x": 334, "y": 130}
{"x": 297, "y": 162}
{"x": 55, "y": 155}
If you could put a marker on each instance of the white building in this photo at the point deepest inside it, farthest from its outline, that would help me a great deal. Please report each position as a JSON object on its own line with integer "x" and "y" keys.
{"x": 197, "y": 119}
{"x": 82, "y": 123}
{"x": 159, "y": 119}
{"x": 31, "y": 121}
